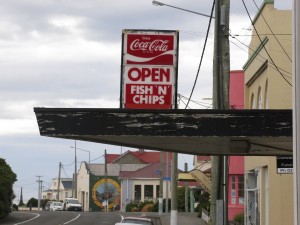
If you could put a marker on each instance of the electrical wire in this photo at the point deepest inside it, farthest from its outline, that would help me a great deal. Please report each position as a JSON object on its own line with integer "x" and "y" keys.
{"x": 262, "y": 58}
{"x": 200, "y": 63}
{"x": 203, "y": 104}
{"x": 249, "y": 35}
{"x": 272, "y": 32}
{"x": 264, "y": 45}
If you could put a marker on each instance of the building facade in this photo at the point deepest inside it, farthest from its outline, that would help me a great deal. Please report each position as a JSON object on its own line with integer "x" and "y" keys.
{"x": 269, "y": 195}
{"x": 99, "y": 186}
{"x": 65, "y": 189}
{"x": 236, "y": 198}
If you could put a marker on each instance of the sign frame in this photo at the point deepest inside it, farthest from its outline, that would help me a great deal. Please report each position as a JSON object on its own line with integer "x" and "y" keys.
{"x": 149, "y": 62}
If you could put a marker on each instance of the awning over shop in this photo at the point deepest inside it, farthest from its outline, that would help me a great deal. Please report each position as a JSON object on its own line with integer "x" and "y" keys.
{"x": 202, "y": 132}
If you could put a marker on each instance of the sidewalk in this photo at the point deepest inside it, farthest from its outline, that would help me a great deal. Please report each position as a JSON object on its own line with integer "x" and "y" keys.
{"x": 183, "y": 218}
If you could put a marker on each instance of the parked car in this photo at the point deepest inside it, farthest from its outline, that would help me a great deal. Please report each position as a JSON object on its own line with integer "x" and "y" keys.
{"x": 47, "y": 206}
{"x": 135, "y": 221}
{"x": 56, "y": 206}
{"x": 72, "y": 204}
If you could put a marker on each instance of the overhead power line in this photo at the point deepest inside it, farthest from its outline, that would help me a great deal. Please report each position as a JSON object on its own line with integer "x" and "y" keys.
{"x": 262, "y": 58}
{"x": 273, "y": 33}
{"x": 264, "y": 45}
{"x": 201, "y": 59}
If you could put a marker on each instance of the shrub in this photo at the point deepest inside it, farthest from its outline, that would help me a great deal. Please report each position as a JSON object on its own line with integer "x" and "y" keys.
{"x": 15, "y": 207}
{"x": 239, "y": 219}
{"x": 148, "y": 207}
{"x": 131, "y": 207}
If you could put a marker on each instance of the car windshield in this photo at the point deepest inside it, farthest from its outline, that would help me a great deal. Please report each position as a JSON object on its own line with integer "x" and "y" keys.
{"x": 74, "y": 201}
{"x": 57, "y": 204}
{"x": 137, "y": 221}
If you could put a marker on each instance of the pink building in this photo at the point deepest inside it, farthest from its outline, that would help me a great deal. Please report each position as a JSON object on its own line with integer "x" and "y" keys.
{"x": 236, "y": 163}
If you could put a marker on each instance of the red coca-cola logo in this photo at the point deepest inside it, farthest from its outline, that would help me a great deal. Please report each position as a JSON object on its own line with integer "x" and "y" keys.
{"x": 155, "y": 45}
{"x": 150, "y": 49}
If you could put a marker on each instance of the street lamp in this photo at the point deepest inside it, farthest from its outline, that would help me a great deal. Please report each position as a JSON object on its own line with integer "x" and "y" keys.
{"x": 84, "y": 151}
{"x": 175, "y": 7}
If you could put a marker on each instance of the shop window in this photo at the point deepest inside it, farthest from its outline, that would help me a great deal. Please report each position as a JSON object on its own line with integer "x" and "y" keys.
{"x": 237, "y": 189}
{"x": 241, "y": 189}
{"x": 233, "y": 191}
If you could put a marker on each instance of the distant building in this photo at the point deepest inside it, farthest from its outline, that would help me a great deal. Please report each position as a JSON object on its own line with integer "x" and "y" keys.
{"x": 65, "y": 189}
{"x": 99, "y": 185}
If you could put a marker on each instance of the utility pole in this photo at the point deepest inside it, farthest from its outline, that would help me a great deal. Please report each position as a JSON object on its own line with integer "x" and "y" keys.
{"x": 161, "y": 182}
{"x": 39, "y": 191}
{"x": 186, "y": 193}
{"x": 174, "y": 167}
{"x": 75, "y": 173}
{"x": 58, "y": 182}
{"x": 106, "y": 188}
{"x": 221, "y": 69}
{"x": 167, "y": 183}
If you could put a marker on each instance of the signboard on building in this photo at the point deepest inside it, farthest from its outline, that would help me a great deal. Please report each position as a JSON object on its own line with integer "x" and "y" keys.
{"x": 149, "y": 69}
{"x": 284, "y": 164}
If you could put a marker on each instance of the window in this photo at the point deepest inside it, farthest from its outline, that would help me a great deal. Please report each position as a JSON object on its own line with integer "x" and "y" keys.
{"x": 252, "y": 106}
{"x": 137, "y": 192}
{"x": 237, "y": 189}
{"x": 233, "y": 190}
{"x": 266, "y": 96}
{"x": 259, "y": 99}
{"x": 157, "y": 191}
{"x": 241, "y": 189}
{"x": 148, "y": 190}
{"x": 66, "y": 194}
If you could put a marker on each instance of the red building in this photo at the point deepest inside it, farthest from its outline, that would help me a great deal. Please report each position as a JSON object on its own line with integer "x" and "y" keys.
{"x": 236, "y": 163}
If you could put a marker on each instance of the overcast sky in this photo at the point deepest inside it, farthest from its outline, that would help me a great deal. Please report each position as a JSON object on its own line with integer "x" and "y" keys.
{"x": 67, "y": 53}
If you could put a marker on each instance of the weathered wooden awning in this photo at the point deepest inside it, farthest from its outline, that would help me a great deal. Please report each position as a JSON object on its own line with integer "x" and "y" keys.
{"x": 203, "y": 132}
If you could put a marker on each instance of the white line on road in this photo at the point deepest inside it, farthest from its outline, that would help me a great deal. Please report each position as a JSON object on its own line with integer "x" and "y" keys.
{"x": 37, "y": 215}
{"x": 73, "y": 219}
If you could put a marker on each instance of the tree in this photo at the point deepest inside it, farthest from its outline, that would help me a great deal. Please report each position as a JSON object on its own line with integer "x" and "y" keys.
{"x": 181, "y": 199}
{"x": 7, "y": 179}
{"x": 33, "y": 202}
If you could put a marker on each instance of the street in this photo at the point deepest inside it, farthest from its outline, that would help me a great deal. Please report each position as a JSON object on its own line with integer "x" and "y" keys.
{"x": 61, "y": 218}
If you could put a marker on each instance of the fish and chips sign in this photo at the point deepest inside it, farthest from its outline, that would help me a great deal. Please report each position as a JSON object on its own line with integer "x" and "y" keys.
{"x": 149, "y": 69}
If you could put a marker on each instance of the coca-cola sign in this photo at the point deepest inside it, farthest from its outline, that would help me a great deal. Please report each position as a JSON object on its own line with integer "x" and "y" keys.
{"x": 149, "y": 69}
{"x": 150, "y": 49}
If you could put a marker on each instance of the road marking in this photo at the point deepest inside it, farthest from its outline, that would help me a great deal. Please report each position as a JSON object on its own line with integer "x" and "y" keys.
{"x": 37, "y": 215}
{"x": 73, "y": 219}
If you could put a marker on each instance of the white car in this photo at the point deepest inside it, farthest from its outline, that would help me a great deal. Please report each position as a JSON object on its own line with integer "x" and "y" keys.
{"x": 72, "y": 204}
{"x": 135, "y": 221}
{"x": 56, "y": 206}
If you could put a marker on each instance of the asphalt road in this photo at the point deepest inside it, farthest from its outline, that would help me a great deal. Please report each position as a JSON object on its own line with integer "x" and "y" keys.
{"x": 61, "y": 218}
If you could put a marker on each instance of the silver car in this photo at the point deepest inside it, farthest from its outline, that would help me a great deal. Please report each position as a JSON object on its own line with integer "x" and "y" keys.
{"x": 56, "y": 206}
